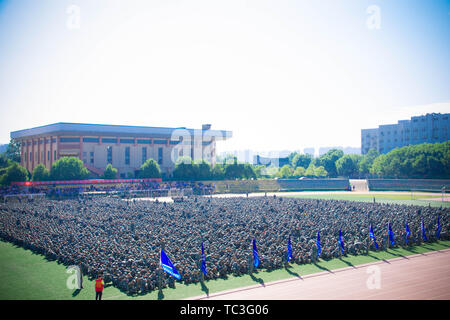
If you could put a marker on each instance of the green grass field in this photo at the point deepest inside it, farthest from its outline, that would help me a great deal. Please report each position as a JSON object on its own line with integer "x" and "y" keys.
{"x": 25, "y": 275}
{"x": 399, "y": 198}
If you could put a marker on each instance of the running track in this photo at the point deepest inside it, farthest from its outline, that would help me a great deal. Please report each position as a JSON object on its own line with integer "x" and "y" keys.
{"x": 420, "y": 276}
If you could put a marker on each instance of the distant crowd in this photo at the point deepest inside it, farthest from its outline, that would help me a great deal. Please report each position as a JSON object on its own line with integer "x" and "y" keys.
{"x": 123, "y": 239}
{"x": 61, "y": 191}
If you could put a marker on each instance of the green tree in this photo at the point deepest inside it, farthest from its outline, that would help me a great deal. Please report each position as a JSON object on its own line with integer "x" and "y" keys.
{"x": 299, "y": 172}
{"x": 328, "y": 161}
{"x": 150, "y": 169}
{"x": 4, "y": 161}
{"x": 367, "y": 161}
{"x": 301, "y": 160}
{"x": 68, "y": 168}
{"x": 40, "y": 173}
{"x": 249, "y": 171}
{"x": 320, "y": 172}
{"x": 310, "y": 171}
{"x": 202, "y": 170}
{"x": 13, "y": 150}
{"x": 218, "y": 172}
{"x": 285, "y": 171}
{"x": 14, "y": 173}
{"x": 110, "y": 172}
{"x": 347, "y": 166}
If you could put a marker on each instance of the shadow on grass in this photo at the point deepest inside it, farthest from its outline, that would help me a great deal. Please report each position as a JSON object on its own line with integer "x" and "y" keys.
{"x": 347, "y": 263}
{"x": 295, "y": 274}
{"x": 204, "y": 288}
{"x": 76, "y": 292}
{"x": 396, "y": 254}
{"x": 259, "y": 280}
{"x": 323, "y": 268}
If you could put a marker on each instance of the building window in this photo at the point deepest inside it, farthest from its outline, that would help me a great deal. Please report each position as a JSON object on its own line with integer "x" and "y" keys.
{"x": 127, "y": 155}
{"x": 159, "y": 141}
{"x": 144, "y": 141}
{"x": 95, "y": 140}
{"x": 91, "y": 154}
{"x": 31, "y": 157}
{"x": 54, "y": 155}
{"x": 126, "y": 140}
{"x": 144, "y": 154}
{"x": 160, "y": 156}
{"x": 48, "y": 155}
{"x": 109, "y": 154}
{"x": 69, "y": 139}
{"x": 84, "y": 157}
{"x": 109, "y": 140}
{"x": 42, "y": 156}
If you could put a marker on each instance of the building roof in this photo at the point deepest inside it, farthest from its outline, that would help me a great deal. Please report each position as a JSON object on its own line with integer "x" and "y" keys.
{"x": 86, "y": 129}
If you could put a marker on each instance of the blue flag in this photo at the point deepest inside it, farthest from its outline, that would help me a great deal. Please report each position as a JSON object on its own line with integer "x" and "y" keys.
{"x": 424, "y": 236}
{"x": 408, "y": 233}
{"x": 372, "y": 235}
{"x": 438, "y": 231}
{"x": 391, "y": 235}
{"x": 203, "y": 266}
{"x": 255, "y": 255}
{"x": 167, "y": 265}
{"x": 289, "y": 252}
{"x": 319, "y": 250}
{"x": 341, "y": 243}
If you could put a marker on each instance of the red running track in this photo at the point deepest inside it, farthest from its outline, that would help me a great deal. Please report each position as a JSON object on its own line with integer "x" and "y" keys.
{"x": 420, "y": 276}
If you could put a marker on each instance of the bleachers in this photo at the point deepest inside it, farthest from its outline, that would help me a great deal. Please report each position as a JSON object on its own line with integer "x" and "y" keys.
{"x": 272, "y": 185}
{"x": 432, "y": 185}
{"x": 313, "y": 184}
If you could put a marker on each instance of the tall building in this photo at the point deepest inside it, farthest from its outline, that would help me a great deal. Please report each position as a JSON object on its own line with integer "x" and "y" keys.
{"x": 430, "y": 128}
{"x": 126, "y": 148}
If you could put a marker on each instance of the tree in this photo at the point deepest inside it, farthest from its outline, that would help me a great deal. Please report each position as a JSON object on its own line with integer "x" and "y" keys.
{"x": 14, "y": 173}
{"x": 299, "y": 172}
{"x": 13, "y": 150}
{"x": 202, "y": 169}
{"x": 249, "y": 171}
{"x": 347, "y": 166}
{"x": 328, "y": 161}
{"x": 40, "y": 173}
{"x": 285, "y": 171}
{"x": 4, "y": 161}
{"x": 310, "y": 171}
{"x": 367, "y": 161}
{"x": 320, "y": 172}
{"x": 110, "y": 172}
{"x": 68, "y": 168}
{"x": 150, "y": 169}
{"x": 301, "y": 160}
{"x": 218, "y": 172}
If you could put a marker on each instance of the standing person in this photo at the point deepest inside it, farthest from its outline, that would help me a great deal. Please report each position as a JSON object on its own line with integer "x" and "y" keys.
{"x": 99, "y": 283}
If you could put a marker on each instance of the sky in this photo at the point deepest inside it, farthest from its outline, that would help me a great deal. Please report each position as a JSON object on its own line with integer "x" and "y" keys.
{"x": 278, "y": 74}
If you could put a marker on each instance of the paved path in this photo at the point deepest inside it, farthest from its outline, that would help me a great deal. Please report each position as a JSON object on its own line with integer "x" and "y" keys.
{"x": 421, "y": 276}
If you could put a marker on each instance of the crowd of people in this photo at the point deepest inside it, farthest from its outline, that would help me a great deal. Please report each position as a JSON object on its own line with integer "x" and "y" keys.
{"x": 63, "y": 192}
{"x": 122, "y": 239}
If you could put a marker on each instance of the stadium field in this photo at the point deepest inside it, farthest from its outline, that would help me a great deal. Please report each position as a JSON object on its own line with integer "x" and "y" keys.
{"x": 25, "y": 275}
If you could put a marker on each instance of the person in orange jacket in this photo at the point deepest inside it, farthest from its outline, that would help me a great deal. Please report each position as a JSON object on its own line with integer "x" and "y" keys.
{"x": 99, "y": 283}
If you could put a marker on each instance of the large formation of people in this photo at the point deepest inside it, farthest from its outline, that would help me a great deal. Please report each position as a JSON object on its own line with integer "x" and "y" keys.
{"x": 126, "y": 189}
{"x": 122, "y": 239}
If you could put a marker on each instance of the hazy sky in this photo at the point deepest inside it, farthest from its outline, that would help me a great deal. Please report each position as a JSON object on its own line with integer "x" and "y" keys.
{"x": 279, "y": 74}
